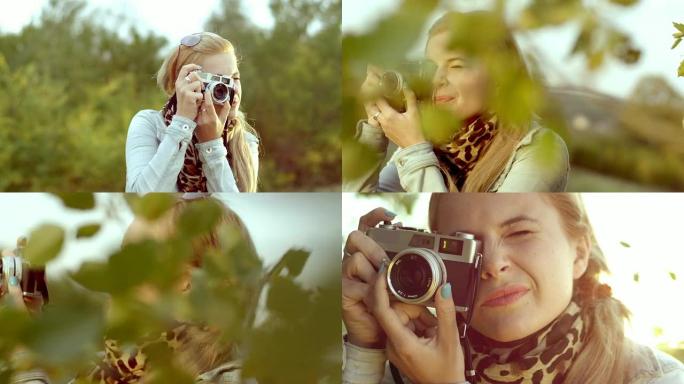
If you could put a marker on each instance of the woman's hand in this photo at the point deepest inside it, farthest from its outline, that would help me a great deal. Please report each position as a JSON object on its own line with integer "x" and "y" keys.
{"x": 402, "y": 128}
{"x": 210, "y": 122}
{"x": 188, "y": 91}
{"x": 369, "y": 93}
{"x": 362, "y": 258}
{"x": 437, "y": 356}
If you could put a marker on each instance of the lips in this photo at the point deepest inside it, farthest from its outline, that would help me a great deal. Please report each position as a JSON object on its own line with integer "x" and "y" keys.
{"x": 505, "y": 295}
{"x": 443, "y": 99}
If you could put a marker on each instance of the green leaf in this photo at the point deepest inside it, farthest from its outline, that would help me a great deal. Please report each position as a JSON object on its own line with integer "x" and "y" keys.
{"x": 679, "y": 26}
{"x": 676, "y": 43}
{"x": 625, "y": 3}
{"x": 625, "y": 244}
{"x": 681, "y": 69}
{"x": 44, "y": 244}
{"x": 294, "y": 261}
{"x": 88, "y": 230}
{"x": 78, "y": 200}
{"x": 673, "y": 276}
{"x": 200, "y": 217}
{"x": 636, "y": 277}
{"x": 152, "y": 205}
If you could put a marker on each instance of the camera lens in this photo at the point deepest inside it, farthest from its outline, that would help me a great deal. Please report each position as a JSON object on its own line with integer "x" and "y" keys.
{"x": 220, "y": 92}
{"x": 414, "y": 275}
{"x": 390, "y": 83}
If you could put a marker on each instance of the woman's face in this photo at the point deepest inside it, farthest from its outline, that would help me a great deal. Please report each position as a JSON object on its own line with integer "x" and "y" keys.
{"x": 224, "y": 64}
{"x": 460, "y": 84}
{"x": 529, "y": 262}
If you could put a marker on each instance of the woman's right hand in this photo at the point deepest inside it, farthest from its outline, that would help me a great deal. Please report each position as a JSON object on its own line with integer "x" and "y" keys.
{"x": 188, "y": 91}
{"x": 362, "y": 259}
{"x": 369, "y": 92}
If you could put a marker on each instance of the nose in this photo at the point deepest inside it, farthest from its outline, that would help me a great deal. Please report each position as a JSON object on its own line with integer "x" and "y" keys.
{"x": 495, "y": 261}
{"x": 439, "y": 78}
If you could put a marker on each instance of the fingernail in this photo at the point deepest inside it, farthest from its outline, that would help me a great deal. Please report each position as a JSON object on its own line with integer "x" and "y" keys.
{"x": 383, "y": 266}
{"x": 446, "y": 291}
{"x": 13, "y": 281}
{"x": 390, "y": 213}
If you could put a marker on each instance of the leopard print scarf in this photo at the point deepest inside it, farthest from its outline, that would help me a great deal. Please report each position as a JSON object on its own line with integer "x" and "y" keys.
{"x": 459, "y": 156}
{"x": 129, "y": 366}
{"x": 541, "y": 358}
{"x": 191, "y": 177}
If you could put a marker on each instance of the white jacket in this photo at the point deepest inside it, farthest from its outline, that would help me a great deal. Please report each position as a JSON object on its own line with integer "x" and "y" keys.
{"x": 155, "y": 155}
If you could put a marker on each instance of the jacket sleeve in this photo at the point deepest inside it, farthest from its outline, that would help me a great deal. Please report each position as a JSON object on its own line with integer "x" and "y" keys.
{"x": 150, "y": 163}
{"x": 418, "y": 169}
{"x": 363, "y": 365}
{"x": 539, "y": 166}
{"x": 213, "y": 155}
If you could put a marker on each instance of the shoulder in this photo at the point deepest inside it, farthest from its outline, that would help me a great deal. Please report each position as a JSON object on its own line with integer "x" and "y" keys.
{"x": 652, "y": 366}
{"x": 146, "y": 119}
{"x": 251, "y": 137}
{"x": 542, "y": 142}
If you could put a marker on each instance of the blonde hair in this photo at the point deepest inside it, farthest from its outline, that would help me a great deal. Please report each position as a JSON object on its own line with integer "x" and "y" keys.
{"x": 604, "y": 356}
{"x": 498, "y": 152}
{"x": 212, "y": 44}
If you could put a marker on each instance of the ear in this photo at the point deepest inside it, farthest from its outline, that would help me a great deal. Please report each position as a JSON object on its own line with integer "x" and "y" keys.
{"x": 583, "y": 247}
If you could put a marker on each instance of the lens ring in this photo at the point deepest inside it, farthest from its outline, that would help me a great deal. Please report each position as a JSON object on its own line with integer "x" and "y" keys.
{"x": 219, "y": 92}
{"x": 431, "y": 264}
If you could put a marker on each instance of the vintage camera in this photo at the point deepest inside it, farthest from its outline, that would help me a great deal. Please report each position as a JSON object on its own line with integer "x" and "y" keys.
{"x": 416, "y": 76}
{"x": 421, "y": 262}
{"x": 221, "y": 88}
{"x": 31, "y": 280}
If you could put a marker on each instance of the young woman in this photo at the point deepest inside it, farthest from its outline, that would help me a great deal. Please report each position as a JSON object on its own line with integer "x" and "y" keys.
{"x": 484, "y": 155}
{"x": 15, "y": 291}
{"x": 195, "y": 143}
{"x": 199, "y": 349}
{"x": 540, "y": 313}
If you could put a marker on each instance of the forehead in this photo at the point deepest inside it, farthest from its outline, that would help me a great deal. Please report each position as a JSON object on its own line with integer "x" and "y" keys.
{"x": 223, "y": 63}
{"x": 479, "y": 211}
{"x": 438, "y": 47}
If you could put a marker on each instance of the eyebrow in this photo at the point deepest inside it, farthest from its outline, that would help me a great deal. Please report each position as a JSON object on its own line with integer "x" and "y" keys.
{"x": 518, "y": 219}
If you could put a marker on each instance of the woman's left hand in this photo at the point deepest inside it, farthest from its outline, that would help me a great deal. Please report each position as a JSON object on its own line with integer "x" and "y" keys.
{"x": 210, "y": 123}
{"x": 402, "y": 128}
{"x": 435, "y": 358}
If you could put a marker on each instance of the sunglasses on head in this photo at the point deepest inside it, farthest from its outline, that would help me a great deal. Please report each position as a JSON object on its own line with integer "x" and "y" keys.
{"x": 189, "y": 41}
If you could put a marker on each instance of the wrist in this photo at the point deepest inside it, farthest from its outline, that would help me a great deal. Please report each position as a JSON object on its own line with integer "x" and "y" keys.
{"x": 377, "y": 344}
{"x": 204, "y": 135}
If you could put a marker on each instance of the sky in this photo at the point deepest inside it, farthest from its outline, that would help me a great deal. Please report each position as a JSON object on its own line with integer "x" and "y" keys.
{"x": 276, "y": 222}
{"x": 172, "y": 19}
{"x": 649, "y": 23}
{"x": 650, "y": 223}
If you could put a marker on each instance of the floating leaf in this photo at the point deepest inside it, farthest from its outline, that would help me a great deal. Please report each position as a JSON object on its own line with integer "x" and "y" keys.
{"x": 680, "y": 73}
{"x": 676, "y": 43}
{"x": 152, "y": 205}
{"x": 294, "y": 261}
{"x": 200, "y": 217}
{"x": 77, "y": 200}
{"x": 673, "y": 276}
{"x": 88, "y": 230}
{"x": 636, "y": 277}
{"x": 624, "y": 3}
{"x": 44, "y": 244}
{"x": 625, "y": 244}
{"x": 679, "y": 26}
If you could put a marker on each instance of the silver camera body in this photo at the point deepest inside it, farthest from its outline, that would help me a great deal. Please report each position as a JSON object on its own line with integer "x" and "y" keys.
{"x": 421, "y": 262}
{"x": 31, "y": 280}
{"x": 221, "y": 88}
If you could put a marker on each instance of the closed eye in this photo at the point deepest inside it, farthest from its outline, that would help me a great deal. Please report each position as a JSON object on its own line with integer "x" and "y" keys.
{"x": 520, "y": 233}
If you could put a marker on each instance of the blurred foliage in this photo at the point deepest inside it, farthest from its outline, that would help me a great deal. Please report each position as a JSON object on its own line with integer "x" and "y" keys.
{"x": 678, "y": 36}
{"x": 645, "y": 144}
{"x": 72, "y": 86}
{"x": 283, "y": 331}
